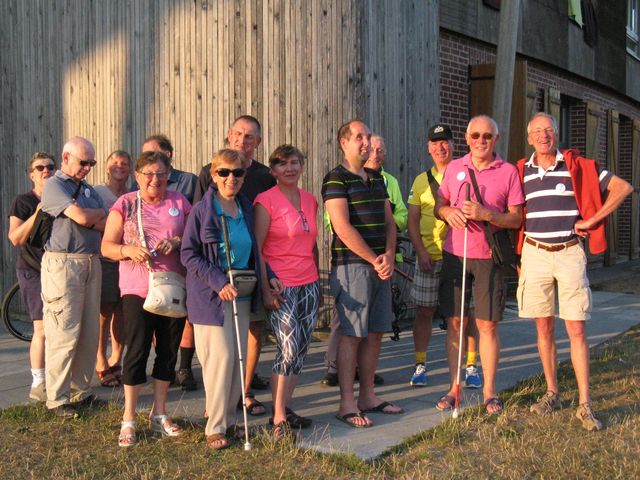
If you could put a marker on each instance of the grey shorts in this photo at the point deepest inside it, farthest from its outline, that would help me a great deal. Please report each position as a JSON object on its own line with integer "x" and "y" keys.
{"x": 488, "y": 285}
{"x": 363, "y": 301}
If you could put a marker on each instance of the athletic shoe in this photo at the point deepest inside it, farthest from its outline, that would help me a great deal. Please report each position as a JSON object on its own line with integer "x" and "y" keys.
{"x": 546, "y": 404}
{"x": 419, "y": 378}
{"x": 38, "y": 393}
{"x": 587, "y": 417}
{"x": 186, "y": 380}
{"x": 472, "y": 377}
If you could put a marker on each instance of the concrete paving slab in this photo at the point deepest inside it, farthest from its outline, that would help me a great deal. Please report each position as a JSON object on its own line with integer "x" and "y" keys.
{"x": 613, "y": 313}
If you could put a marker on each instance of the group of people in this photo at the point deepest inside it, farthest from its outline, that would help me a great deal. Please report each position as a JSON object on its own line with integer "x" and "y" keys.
{"x": 90, "y": 281}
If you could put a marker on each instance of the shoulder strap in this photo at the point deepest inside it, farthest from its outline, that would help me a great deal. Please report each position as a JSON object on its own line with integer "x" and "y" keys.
{"x": 143, "y": 242}
{"x": 433, "y": 184}
{"x": 487, "y": 229}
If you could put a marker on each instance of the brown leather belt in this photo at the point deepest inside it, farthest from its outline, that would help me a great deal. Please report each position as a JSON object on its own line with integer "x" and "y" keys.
{"x": 552, "y": 247}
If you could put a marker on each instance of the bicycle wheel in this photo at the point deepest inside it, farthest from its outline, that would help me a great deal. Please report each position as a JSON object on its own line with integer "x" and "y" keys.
{"x": 15, "y": 315}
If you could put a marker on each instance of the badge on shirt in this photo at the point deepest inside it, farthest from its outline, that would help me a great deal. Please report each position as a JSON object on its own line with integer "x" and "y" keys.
{"x": 87, "y": 192}
{"x": 461, "y": 176}
{"x": 174, "y": 212}
{"x": 560, "y": 187}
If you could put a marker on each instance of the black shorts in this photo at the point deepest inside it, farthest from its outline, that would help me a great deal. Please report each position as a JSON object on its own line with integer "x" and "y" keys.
{"x": 31, "y": 290}
{"x": 483, "y": 276}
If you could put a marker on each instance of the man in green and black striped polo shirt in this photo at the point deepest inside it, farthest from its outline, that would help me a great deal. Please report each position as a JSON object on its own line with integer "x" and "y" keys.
{"x": 362, "y": 261}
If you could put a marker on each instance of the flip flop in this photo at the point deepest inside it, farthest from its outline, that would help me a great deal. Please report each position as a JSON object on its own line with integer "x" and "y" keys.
{"x": 380, "y": 408}
{"x": 348, "y": 416}
{"x": 496, "y": 403}
{"x": 449, "y": 400}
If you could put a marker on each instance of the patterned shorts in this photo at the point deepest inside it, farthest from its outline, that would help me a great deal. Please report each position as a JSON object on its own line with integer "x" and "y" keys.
{"x": 426, "y": 285}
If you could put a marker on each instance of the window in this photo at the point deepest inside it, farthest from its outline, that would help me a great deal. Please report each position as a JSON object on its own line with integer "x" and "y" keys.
{"x": 564, "y": 122}
{"x": 633, "y": 33}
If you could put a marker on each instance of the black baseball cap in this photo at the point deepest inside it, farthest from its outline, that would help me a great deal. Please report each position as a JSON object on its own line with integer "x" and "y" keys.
{"x": 440, "y": 131}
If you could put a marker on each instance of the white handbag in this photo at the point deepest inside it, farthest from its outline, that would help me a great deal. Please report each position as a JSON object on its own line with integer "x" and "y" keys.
{"x": 167, "y": 292}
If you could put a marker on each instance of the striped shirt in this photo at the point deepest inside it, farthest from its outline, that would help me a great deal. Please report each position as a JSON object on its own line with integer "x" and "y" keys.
{"x": 366, "y": 201}
{"x": 552, "y": 210}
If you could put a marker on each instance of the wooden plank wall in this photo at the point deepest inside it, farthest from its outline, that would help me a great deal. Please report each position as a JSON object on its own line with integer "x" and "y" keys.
{"x": 402, "y": 81}
{"x": 118, "y": 71}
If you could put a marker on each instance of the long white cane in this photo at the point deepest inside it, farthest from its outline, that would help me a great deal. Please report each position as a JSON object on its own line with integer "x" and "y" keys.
{"x": 455, "y": 412}
{"x": 225, "y": 232}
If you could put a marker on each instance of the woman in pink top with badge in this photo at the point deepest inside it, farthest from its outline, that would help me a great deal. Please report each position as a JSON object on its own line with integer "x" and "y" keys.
{"x": 285, "y": 228}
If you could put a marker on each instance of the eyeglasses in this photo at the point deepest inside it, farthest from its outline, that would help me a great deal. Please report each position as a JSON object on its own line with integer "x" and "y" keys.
{"x": 541, "y": 131}
{"x": 305, "y": 224}
{"x": 486, "y": 136}
{"x": 158, "y": 175}
{"x": 85, "y": 163}
{"x": 41, "y": 168}
{"x": 225, "y": 172}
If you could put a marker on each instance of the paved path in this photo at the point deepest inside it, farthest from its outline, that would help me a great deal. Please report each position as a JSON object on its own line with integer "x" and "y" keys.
{"x": 613, "y": 313}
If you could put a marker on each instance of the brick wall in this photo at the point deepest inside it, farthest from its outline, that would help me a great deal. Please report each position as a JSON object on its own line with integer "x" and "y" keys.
{"x": 457, "y": 53}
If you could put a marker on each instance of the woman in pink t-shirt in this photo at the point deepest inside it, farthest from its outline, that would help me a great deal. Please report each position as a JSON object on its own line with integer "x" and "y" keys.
{"x": 285, "y": 228}
{"x": 163, "y": 217}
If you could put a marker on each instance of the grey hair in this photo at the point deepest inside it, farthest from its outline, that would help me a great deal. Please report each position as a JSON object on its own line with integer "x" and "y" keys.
{"x": 551, "y": 118}
{"x": 493, "y": 123}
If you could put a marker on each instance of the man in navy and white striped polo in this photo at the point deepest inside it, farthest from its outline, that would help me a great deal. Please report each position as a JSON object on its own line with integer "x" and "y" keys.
{"x": 568, "y": 197}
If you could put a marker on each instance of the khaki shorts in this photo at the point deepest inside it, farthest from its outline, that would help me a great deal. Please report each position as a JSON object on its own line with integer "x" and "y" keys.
{"x": 541, "y": 271}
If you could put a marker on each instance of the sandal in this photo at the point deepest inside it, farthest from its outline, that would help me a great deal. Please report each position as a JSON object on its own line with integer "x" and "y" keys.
{"x": 283, "y": 432}
{"x": 254, "y": 405}
{"x": 163, "y": 425}
{"x": 446, "y": 403}
{"x": 217, "y": 441}
{"x": 107, "y": 378}
{"x": 234, "y": 431}
{"x": 497, "y": 405}
{"x": 295, "y": 420}
{"x": 127, "y": 440}
{"x": 117, "y": 372}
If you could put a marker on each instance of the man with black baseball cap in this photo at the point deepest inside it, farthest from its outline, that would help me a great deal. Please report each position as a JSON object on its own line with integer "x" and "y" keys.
{"x": 427, "y": 234}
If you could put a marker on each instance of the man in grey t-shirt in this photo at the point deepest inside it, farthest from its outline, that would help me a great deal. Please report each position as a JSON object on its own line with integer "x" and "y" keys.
{"x": 71, "y": 279}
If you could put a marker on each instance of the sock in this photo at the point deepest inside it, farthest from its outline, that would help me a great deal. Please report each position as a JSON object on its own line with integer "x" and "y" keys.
{"x": 471, "y": 358}
{"x": 186, "y": 357}
{"x": 421, "y": 357}
{"x": 37, "y": 375}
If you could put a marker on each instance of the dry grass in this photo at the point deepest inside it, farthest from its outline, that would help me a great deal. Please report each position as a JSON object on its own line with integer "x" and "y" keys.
{"x": 514, "y": 445}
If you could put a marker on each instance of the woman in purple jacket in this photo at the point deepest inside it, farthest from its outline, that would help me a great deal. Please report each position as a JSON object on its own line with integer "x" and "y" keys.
{"x": 210, "y": 295}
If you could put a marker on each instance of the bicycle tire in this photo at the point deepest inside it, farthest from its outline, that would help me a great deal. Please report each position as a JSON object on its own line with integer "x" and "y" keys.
{"x": 15, "y": 315}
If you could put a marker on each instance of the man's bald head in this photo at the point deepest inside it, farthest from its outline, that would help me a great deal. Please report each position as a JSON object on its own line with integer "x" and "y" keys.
{"x": 78, "y": 156}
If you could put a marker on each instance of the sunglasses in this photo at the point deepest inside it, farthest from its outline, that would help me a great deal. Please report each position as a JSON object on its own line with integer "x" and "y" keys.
{"x": 305, "y": 224}
{"x": 486, "y": 136}
{"x": 41, "y": 168}
{"x": 84, "y": 163}
{"x": 225, "y": 172}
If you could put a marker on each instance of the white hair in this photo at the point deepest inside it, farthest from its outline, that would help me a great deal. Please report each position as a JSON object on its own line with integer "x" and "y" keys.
{"x": 487, "y": 118}
{"x": 544, "y": 115}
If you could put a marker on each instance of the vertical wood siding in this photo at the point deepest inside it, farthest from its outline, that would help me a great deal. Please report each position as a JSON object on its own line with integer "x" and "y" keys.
{"x": 116, "y": 71}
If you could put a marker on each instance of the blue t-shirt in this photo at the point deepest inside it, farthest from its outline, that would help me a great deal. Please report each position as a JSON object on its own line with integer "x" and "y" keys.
{"x": 239, "y": 239}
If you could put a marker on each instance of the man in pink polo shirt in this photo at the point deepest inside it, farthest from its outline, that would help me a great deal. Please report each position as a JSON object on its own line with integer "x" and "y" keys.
{"x": 500, "y": 206}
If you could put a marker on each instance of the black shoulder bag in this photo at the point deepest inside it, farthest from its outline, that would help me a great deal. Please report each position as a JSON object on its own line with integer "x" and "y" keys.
{"x": 501, "y": 243}
{"x": 41, "y": 229}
